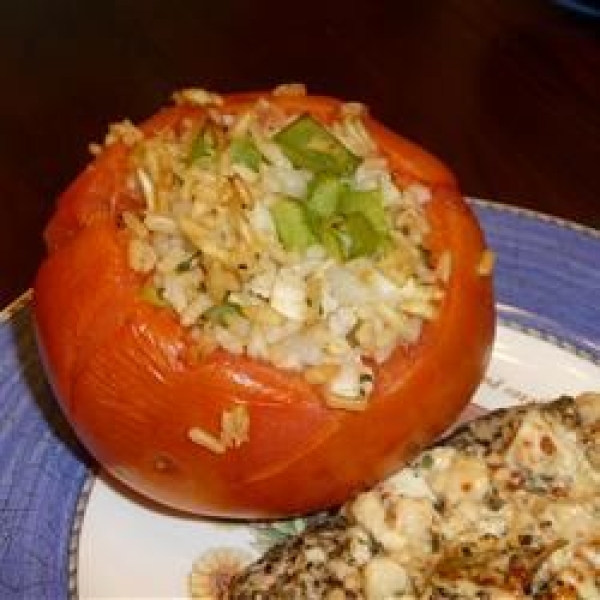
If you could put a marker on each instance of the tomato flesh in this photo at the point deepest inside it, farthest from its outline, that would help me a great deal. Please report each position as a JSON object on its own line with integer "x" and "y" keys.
{"x": 127, "y": 378}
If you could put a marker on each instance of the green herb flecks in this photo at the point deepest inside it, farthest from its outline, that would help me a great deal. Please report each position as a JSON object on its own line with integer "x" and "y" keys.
{"x": 188, "y": 263}
{"x": 222, "y": 314}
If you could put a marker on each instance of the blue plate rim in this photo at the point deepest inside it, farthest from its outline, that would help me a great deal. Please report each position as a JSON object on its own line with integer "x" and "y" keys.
{"x": 521, "y": 211}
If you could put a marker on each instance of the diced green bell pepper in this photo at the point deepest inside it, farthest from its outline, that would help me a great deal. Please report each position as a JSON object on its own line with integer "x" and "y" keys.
{"x": 309, "y": 145}
{"x": 350, "y": 236}
{"x": 292, "y": 224}
{"x": 331, "y": 238}
{"x": 368, "y": 203}
{"x": 244, "y": 151}
{"x": 222, "y": 313}
{"x": 203, "y": 146}
{"x": 360, "y": 237}
{"x": 323, "y": 195}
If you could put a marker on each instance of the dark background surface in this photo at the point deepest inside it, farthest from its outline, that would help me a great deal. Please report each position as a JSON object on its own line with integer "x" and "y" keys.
{"x": 506, "y": 92}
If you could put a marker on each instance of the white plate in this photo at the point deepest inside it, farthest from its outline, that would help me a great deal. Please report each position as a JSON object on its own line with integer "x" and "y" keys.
{"x": 131, "y": 550}
{"x": 547, "y": 278}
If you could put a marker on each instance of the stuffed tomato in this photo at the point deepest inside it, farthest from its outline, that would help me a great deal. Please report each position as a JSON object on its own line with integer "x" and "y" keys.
{"x": 257, "y": 305}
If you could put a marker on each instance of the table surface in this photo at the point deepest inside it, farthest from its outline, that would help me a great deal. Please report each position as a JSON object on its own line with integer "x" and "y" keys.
{"x": 506, "y": 93}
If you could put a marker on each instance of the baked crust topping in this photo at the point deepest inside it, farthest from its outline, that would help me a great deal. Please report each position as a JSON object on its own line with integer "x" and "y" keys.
{"x": 507, "y": 507}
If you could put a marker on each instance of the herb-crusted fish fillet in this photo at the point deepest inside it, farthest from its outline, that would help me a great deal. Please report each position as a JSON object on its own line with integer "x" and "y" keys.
{"x": 507, "y": 507}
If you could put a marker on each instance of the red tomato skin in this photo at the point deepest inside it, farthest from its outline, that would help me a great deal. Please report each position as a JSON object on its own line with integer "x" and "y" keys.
{"x": 130, "y": 383}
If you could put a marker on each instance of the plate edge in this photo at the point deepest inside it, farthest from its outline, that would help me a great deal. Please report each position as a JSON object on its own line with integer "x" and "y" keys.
{"x": 75, "y": 534}
{"x": 23, "y": 300}
{"x": 11, "y": 309}
{"x": 535, "y": 215}
{"x": 86, "y": 491}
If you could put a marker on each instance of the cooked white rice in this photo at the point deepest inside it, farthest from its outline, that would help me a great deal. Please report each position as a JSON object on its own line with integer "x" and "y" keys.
{"x": 208, "y": 246}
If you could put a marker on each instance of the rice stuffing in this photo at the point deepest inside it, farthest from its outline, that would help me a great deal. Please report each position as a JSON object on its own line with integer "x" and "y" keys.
{"x": 285, "y": 239}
